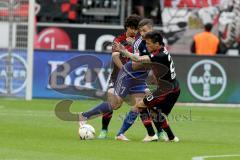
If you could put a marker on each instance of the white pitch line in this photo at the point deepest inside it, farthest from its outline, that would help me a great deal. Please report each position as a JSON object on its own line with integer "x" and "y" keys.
{"x": 216, "y": 156}
{"x": 26, "y": 114}
{"x": 210, "y": 105}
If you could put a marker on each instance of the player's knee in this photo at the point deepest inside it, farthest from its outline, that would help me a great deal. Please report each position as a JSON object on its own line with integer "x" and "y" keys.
{"x": 116, "y": 104}
{"x": 110, "y": 94}
{"x": 141, "y": 104}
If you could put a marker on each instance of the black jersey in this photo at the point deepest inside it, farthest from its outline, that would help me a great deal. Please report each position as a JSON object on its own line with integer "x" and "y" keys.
{"x": 163, "y": 69}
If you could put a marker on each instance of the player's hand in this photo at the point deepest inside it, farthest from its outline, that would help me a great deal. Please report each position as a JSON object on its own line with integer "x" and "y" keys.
{"x": 130, "y": 40}
{"x": 118, "y": 47}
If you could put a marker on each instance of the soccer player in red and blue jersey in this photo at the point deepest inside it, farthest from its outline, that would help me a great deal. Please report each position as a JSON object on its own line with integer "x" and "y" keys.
{"x": 125, "y": 39}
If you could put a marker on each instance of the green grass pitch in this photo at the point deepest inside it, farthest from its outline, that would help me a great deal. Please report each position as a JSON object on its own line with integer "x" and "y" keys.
{"x": 31, "y": 131}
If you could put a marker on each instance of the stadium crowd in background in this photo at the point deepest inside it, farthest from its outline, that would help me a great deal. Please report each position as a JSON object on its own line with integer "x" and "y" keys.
{"x": 79, "y": 11}
{"x": 149, "y": 9}
{"x": 162, "y": 12}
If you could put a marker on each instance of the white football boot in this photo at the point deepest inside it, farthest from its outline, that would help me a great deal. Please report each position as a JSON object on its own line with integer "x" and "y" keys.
{"x": 121, "y": 137}
{"x": 150, "y": 138}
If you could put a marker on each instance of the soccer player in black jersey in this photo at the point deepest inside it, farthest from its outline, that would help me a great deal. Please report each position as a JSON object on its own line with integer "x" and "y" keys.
{"x": 161, "y": 101}
{"x": 139, "y": 48}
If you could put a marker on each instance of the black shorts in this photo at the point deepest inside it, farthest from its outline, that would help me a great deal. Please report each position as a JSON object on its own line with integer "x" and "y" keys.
{"x": 163, "y": 102}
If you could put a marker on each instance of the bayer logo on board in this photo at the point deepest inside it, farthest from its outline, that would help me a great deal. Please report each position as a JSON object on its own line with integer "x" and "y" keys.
{"x": 206, "y": 80}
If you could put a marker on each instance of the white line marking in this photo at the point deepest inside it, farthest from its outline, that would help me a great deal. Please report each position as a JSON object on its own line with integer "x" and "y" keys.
{"x": 28, "y": 114}
{"x": 211, "y": 105}
{"x": 216, "y": 156}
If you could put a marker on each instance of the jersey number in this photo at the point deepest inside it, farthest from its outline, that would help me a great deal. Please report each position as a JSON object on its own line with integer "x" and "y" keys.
{"x": 149, "y": 97}
{"x": 172, "y": 67}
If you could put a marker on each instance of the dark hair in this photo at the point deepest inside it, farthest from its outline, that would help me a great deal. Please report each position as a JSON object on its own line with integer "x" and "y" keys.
{"x": 144, "y": 22}
{"x": 208, "y": 27}
{"x": 155, "y": 36}
{"x": 132, "y": 21}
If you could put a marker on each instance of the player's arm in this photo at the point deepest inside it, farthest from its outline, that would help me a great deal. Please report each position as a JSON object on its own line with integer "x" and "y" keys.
{"x": 116, "y": 59}
{"x": 193, "y": 47}
{"x": 116, "y": 55}
{"x": 130, "y": 55}
{"x": 136, "y": 58}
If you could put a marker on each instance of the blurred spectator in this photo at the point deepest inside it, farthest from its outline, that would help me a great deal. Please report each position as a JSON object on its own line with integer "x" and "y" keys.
{"x": 48, "y": 10}
{"x": 148, "y": 9}
{"x": 205, "y": 43}
{"x": 138, "y": 7}
{"x": 233, "y": 50}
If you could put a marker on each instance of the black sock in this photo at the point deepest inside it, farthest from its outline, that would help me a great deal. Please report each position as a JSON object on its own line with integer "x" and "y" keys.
{"x": 106, "y": 118}
{"x": 167, "y": 129}
{"x": 156, "y": 117}
{"x": 158, "y": 126}
{"x": 147, "y": 122}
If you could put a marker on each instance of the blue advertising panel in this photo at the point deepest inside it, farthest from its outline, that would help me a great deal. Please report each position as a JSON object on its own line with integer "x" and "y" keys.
{"x": 13, "y": 73}
{"x": 70, "y": 68}
{"x": 75, "y": 74}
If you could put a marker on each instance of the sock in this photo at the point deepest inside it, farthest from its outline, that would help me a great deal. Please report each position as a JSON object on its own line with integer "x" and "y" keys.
{"x": 158, "y": 126}
{"x": 156, "y": 117}
{"x": 167, "y": 129}
{"x": 128, "y": 121}
{"x": 147, "y": 122}
{"x": 98, "y": 110}
{"x": 106, "y": 120}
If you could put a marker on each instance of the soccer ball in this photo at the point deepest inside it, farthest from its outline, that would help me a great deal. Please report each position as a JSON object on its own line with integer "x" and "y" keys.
{"x": 86, "y": 132}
